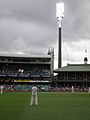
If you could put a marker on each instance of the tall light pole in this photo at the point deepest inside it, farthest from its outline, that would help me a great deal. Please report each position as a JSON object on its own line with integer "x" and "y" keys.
{"x": 59, "y": 15}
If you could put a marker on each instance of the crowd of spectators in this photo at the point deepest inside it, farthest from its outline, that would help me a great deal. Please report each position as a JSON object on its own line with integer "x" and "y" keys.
{"x": 24, "y": 71}
{"x": 74, "y": 76}
{"x": 44, "y": 88}
{"x": 25, "y": 87}
{"x": 69, "y": 89}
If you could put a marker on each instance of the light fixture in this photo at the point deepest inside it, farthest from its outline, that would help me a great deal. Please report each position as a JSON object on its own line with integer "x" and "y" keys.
{"x": 59, "y": 12}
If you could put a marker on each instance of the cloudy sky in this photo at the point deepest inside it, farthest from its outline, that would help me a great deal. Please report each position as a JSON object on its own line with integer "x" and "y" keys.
{"x": 30, "y": 27}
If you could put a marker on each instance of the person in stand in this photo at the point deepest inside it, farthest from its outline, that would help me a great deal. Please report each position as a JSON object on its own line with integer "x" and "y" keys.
{"x": 1, "y": 88}
{"x": 34, "y": 97}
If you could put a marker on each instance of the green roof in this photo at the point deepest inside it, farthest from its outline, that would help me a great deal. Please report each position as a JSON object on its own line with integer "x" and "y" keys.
{"x": 74, "y": 68}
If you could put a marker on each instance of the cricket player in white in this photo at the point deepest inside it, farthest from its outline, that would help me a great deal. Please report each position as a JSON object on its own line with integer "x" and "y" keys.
{"x": 1, "y": 88}
{"x": 72, "y": 89}
{"x": 34, "y": 97}
{"x": 89, "y": 90}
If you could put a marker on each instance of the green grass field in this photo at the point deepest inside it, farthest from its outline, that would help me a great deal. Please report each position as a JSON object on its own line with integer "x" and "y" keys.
{"x": 52, "y": 106}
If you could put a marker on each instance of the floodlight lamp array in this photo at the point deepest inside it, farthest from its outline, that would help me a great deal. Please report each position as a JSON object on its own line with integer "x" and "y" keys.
{"x": 59, "y": 12}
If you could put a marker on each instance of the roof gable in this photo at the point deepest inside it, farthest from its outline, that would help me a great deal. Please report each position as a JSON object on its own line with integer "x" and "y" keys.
{"x": 74, "y": 68}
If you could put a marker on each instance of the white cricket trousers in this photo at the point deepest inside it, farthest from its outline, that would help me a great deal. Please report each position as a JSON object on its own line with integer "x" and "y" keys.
{"x": 34, "y": 100}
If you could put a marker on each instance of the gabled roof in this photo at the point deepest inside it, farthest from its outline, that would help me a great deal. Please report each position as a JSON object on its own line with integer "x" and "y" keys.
{"x": 74, "y": 68}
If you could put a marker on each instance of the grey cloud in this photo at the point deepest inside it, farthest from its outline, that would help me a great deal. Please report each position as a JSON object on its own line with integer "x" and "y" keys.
{"x": 32, "y": 34}
{"x": 30, "y": 10}
{"x": 76, "y": 21}
{"x": 31, "y": 25}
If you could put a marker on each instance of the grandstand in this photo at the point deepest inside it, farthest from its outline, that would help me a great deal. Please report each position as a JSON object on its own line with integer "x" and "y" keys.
{"x": 22, "y": 69}
{"x": 77, "y": 75}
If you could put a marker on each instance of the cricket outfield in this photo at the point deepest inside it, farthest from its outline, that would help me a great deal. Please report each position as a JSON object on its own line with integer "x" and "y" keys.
{"x": 52, "y": 106}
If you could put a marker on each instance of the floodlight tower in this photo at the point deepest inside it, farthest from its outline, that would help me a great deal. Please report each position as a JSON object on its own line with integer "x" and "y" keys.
{"x": 59, "y": 15}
